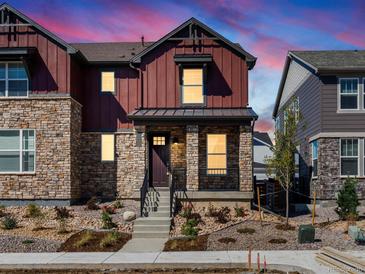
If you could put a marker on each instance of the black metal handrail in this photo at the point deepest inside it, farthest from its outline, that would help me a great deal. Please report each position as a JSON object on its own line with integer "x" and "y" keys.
{"x": 172, "y": 186}
{"x": 144, "y": 190}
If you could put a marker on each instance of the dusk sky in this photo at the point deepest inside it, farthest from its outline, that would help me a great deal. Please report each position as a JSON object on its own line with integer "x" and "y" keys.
{"x": 266, "y": 29}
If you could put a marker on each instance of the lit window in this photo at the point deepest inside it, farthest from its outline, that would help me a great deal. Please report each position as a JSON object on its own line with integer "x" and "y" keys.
{"x": 349, "y": 157}
{"x": 158, "y": 140}
{"x": 13, "y": 80}
{"x": 107, "y": 81}
{"x": 217, "y": 154}
{"x": 192, "y": 89}
{"x": 349, "y": 93}
{"x": 17, "y": 150}
{"x": 315, "y": 158}
{"x": 107, "y": 147}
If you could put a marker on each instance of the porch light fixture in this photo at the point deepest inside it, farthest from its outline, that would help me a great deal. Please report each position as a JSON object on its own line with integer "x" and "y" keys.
{"x": 175, "y": 140}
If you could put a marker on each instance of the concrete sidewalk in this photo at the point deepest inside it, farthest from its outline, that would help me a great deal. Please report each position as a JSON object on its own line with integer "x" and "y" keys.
{"x": 281, "y": 260}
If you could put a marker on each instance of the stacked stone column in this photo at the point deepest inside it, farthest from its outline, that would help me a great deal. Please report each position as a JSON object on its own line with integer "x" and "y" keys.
{"x": 245, "y": 159}
{"x": 192, "y": 157}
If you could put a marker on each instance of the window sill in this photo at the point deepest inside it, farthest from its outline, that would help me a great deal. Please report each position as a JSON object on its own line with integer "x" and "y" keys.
{"x": 13, "y": 97}
{"x": 17, "y": 173}
{"x": 350, "y": 111}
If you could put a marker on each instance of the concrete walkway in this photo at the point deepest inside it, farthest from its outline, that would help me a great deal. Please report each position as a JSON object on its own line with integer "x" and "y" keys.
{"x": 144, "y": 245}
{"x": 281, "y": 260}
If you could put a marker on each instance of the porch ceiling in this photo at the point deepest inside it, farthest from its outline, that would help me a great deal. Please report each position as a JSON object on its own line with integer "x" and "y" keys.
{"x": 193, "y": 114}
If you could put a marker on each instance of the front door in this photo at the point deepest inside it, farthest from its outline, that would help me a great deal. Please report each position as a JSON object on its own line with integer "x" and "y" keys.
{"x": 159, "y": 159}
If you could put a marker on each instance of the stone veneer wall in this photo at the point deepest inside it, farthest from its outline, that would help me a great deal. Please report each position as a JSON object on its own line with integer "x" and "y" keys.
{"x": 120, "y": 178}
{"x": 192, "y": 157}
{"x": 226, "y": 182}
{"x": 245, "y": 158}
{"x": 328, "y": 183}
{"x": 55, "y": 177}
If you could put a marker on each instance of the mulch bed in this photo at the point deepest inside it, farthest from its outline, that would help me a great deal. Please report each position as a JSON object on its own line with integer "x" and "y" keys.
{"x": 198, "y": 243}
{"x": 93, "y": 245}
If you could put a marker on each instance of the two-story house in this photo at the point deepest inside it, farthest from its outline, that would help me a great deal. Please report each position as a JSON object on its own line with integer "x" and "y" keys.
{"x": 107, "y": 119}
{"x": 327, "y": 87}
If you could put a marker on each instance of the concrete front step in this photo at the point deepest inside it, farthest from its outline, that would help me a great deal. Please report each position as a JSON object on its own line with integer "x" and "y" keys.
{"x": 159, "y": 213}
{"x": 151, "y": 228}
{"x": 145, "y": 234}
{"x": 153, "y": 221}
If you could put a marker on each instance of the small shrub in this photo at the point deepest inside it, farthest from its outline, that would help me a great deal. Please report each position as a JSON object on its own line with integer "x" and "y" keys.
{"x": 33, "y": 211}
{"x": 240, "y": 211}
{"x": 222, "y": 215}
{"x": 347, "y": 200}
{"x": 39, "y": 221}
{"x": 2, "y": 211}
{"x": 186, "y": 211}
{"x": 192, "y": 222}
{"x": 62, "y": 226}
{"x": 110, "y": 239}
{"x": 211, "y": 211}
{"x": 285, "y": 227}
{"x": 196, "y": 216}
{"x": 107, "y": 221}
{"x": 189, "y": 230}
{"x": 27, "y": 242}
{"x": 92, "y": 204}
{"x": 85, "y": 239}
{"x": 108, "y": 209}
{"x": 226, "y": 240}
{"x": 277, "y": 241}
{"x": 62, "y": 213}
{"x": 9, "y": 222}
{"x": 118, "y": 204}
{"x": 246, "y": 230}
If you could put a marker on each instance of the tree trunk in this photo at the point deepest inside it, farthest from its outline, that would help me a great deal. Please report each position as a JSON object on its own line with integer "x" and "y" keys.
{"x": 287, "y": 206}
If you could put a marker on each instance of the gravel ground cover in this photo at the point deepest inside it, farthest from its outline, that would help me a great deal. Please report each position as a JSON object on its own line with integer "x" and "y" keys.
{"x": 48, "y": 239}
{"x": 27, "y": 244}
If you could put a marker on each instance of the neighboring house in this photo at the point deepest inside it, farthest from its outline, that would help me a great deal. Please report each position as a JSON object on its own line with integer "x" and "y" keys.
{"x": 262, "y": 149}
{"x": 104, "y": 119}
{"x": 327, "y": 87}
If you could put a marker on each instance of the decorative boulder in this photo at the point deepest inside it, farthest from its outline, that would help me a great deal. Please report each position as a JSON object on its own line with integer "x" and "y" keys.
{"x": 129, "y": 216}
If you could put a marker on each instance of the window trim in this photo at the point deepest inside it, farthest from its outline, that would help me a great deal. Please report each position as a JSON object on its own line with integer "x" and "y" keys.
{"x": 312, "y": 144}
{"x": 360, "y": 106}
{"x": 101, "y": 82}
{"x": 20, "y": 172}
{"x": 204, "y": 71}
{"x": 358, "y": 157}
{"x": 226, "y": 153}
{"x": 7, "y": 79}
{"x": 101, "y": 148}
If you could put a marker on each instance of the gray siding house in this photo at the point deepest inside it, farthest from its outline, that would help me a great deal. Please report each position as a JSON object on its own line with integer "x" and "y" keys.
{"x": 328, "y": 88}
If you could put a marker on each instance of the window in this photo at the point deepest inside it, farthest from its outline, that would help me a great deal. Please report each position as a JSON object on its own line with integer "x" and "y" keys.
{"x": 107, "y": 81}
{"x": 216, "y": 154}
{"x": 277, "y": 123}
{"x": 349, "y": 157}
{"x": 13, "y": 80}
{"x": 17, "y": 150}
{"x": 315, "y": 158}
{"x": 295, "y": 109}
{"x": 192, "y": 88}
{"x": 107, "y": 147}
{"x": 158, "y": 140}
{"x": 349, "y": 93}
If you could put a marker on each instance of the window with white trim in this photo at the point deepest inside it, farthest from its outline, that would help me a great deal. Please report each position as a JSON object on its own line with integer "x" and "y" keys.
{"x": 13, "y": 80}
{"x": 349, "y": 157}
{"x": 349, "y": 93}
{"x": 216, "y": 154}
{"x": 315, "y": 158}
{"x": 17, "y": 150}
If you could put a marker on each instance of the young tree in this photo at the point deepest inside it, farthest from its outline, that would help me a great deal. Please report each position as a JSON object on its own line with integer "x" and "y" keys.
{"x": 347, "y": 200}
{"x": 282, "y": 164}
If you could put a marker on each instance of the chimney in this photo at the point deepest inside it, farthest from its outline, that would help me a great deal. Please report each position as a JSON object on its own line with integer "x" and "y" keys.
{"x": 142, "y": 40}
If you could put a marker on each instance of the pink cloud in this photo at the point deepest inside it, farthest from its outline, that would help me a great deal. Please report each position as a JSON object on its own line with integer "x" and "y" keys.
{"x": 264, "y": 125}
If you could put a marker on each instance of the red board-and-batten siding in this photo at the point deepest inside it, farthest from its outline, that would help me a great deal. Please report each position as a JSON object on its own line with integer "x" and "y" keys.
{"x": 50, "y": 71}
{"x": 227, "y": 80}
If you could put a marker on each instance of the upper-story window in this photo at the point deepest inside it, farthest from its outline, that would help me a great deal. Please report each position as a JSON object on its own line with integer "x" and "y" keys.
{"x": 107, "y": 81}
{"x": 13, "y": 80}
{"x": 349, "y": 93}
{"x": 192, "y": 86}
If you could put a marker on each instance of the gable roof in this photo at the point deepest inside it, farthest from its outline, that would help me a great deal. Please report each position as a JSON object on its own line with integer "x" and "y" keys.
{"x": 321, "y": 62}
{"x": 250, "y": 59}
{"x": 41, "y": 29}
{"x": 110, "y": 52}
{"x": 263, "y": 137}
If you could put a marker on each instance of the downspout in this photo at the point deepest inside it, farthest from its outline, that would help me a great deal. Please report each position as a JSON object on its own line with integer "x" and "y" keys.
{"x": 140, "y": 77}
{"x": 252, "y": 158}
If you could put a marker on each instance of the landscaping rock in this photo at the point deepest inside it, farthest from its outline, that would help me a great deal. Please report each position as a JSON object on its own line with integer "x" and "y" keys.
{"x": 129, "y": 216}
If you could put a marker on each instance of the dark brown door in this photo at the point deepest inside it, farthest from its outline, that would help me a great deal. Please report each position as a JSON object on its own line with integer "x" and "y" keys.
{"x": 160, "y": 157}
